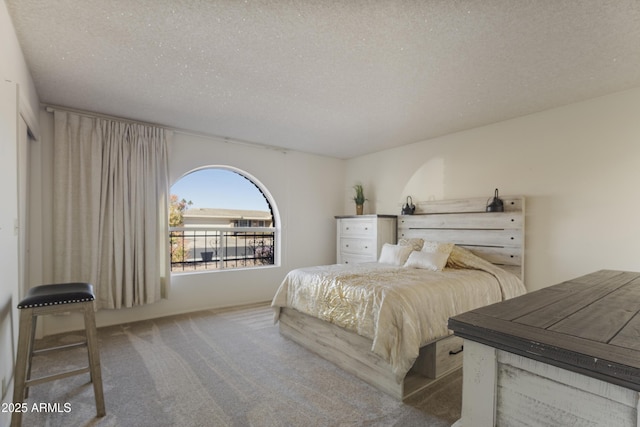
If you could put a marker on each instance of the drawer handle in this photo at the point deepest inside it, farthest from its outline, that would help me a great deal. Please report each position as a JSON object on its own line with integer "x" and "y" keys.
{"x": 456, "y": 352}
{"x": 346, "y": 246}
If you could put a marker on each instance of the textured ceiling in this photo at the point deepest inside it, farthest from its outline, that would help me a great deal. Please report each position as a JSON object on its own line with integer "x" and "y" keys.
{"x": 339, "y": 78}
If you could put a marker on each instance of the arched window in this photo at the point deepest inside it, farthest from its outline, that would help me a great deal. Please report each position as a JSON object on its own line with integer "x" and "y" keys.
{"x": 221, "y": 218}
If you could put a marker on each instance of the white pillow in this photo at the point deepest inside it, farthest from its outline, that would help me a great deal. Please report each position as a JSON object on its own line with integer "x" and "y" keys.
{"x": 442, "y": 250}
{"x": 434, "y": 261}
{"x": 394, "y": 254}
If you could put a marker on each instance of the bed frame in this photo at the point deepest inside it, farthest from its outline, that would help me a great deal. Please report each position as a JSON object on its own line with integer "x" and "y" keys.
{"x": 495, "y": 236}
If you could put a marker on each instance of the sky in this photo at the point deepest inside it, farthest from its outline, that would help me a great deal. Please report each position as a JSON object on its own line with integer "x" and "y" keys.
{"x": 219, "y": 188}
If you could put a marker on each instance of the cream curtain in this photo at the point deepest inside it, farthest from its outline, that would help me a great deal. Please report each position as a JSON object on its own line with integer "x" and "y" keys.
{"x": 110, "y": 211}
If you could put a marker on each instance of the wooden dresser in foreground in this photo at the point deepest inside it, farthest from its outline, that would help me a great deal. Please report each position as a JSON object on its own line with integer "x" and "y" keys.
{"x": 568, "y": 354}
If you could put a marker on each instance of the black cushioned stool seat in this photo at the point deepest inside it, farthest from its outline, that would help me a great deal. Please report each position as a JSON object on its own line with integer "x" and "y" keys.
{"x": 63, "y": 293}
{"x": 50, "y": 299}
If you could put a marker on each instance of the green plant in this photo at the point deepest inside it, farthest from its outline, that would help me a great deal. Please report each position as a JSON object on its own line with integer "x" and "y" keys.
{"x": 359, "y": 197}
{"x": 177, "y": 208}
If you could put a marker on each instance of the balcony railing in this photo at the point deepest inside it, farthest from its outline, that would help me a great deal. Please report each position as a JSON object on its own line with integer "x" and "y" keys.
{"x": 215, "y": 248}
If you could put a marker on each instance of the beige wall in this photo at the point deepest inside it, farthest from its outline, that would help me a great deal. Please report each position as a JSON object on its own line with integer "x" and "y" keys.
{"x": 9, "y": 261}
{"x": 578, "y": 167}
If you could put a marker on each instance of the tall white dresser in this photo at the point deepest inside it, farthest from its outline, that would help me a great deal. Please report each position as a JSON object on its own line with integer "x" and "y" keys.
{"x": 360, "y": 237}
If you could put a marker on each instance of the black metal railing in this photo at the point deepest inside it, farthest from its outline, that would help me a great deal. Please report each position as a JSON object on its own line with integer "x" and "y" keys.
{"x": 215, "y": 248}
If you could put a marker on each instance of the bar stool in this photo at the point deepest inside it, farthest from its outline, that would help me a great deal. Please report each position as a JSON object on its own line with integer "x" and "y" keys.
{"x": 50, "y": 299}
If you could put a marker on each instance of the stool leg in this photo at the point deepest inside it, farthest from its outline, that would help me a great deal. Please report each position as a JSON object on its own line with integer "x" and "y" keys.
{"x": 22, "y": 356}
{"x": 32, "y": 340}
{"x": 94, "y": 357}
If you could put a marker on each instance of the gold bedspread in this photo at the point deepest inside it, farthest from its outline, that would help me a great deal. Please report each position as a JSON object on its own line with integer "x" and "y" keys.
{"x": 399, "y": 309}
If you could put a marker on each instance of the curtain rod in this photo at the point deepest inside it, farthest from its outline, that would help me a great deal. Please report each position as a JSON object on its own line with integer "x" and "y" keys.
{"x": 51, "y": 108}
{"x": 91, "y": 114}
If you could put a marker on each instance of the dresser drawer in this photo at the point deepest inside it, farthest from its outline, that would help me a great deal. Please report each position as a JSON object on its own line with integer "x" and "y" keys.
{"x": 440, "y": 357}
{"x": 356, "y": 259}
{"x": 358, "y": 246}
{"x": 359, "y": 227}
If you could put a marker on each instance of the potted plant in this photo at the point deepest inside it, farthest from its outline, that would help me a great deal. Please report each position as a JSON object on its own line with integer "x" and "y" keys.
{"x": 207, "y": 256}
{"x": 359, "y": 198}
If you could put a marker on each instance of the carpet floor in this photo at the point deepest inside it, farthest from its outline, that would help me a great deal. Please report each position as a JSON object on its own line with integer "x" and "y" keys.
{"x": 221, "y": 368}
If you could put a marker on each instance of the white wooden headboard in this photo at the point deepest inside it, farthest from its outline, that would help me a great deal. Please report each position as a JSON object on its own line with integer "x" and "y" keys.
{"x": 497, "y": 237}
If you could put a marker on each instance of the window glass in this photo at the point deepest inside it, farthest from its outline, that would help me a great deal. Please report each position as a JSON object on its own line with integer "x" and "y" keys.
{"x": 220, "y": 219}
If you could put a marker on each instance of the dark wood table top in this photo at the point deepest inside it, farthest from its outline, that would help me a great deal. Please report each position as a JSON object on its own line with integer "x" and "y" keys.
{"x": 589, "y": 325}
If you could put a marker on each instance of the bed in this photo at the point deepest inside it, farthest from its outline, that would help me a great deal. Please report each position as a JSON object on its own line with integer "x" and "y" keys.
{"x": 386, "y": 322}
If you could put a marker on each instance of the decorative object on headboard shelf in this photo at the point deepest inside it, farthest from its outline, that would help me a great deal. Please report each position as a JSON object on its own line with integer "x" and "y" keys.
{"x": 496, "y": 204}
{"x": 409, "y": 208}
{"x": 359, "y": 198}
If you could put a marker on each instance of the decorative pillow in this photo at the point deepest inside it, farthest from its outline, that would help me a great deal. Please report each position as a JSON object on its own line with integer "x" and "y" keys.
{"x": 394, "y": 254}
{"x": 416, "y": 244}
{"x": 433, "y": 261}
{"x": 462, "y": 258}
{"x": 442, "y": 249}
